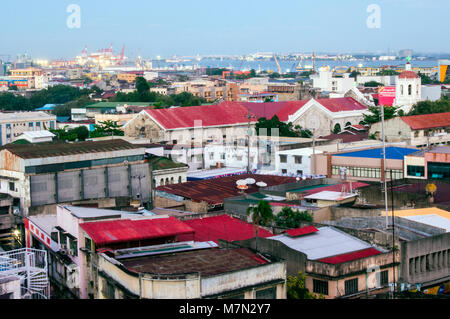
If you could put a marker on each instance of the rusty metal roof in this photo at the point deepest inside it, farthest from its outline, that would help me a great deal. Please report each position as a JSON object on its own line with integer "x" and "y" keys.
{"x": 207, "y": 262}
{"x": 214, "y": 191}
{"x": 66, "y": 149}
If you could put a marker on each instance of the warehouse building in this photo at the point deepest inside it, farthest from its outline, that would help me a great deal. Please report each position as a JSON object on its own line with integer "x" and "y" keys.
{"x": 98, "y": 173}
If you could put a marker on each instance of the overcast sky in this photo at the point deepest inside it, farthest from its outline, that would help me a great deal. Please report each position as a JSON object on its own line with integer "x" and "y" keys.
{"x": 183, "y": 27}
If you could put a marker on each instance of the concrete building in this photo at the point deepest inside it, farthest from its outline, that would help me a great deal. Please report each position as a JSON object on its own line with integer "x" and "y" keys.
{"x": 417, "y": 130}
{"x": 336, "y": 264}
{"x": 161, "y": 267}
{"x": 325, "y": 81}
{"x": 167, "y": 172}
{"x": 295, "y": 161}
{"x": 364, "y": 165}
{"x": 13, "y": 125}
{"x": 431, "y": 164}
{"x": 101, "y": 173}
{"x": 38, "y": 137}
{"x": 408, "y": 89}
{"x": 431, "y": 92}
{"x": 423, "y": 240}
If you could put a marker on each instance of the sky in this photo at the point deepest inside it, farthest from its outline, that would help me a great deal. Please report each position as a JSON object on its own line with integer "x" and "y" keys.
{"x": 212, "y": 27}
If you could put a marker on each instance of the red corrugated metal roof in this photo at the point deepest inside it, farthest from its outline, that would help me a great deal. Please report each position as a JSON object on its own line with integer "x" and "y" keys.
{"x": 301, "y": 231}
{"x": 124, "y": 230}
{"x": 209, "y": 115}
{"x": 221, "y": 227}
{"x": 342, "y": 104}
{"x": 339, "y": 259}
{"x": 425, "y": 121}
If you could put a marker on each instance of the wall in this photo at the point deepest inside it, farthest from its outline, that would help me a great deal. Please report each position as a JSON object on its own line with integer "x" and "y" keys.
{"x": 426, "y": 260}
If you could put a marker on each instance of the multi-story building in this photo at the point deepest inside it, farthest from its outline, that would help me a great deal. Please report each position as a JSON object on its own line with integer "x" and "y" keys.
{"x": 325, "y": 81}
{"x": 429, "y": 164}
{"x": 12, "y": 125}
{"x": 105, "y": 173}
{"x": 417, "y": 130}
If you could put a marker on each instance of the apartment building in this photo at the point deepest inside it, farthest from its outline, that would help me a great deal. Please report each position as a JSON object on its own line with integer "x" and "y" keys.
{"x": 13, "y": 125}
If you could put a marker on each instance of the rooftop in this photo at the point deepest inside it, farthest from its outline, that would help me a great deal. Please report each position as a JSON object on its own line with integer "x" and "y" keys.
{"x": 24, "y": 116}
{"x": 425, "y": 121}
{"x": 205, "y": 115}
{"x": 206, "y": 262}
{"x": 160, "y": 163}
{"x": 350, "y": 256}
{"x": 214, "y": 173}
{"x": 221, "y": 227}
{"x": 214, "y": 191}
{"x": 118, "y": 231}
{"x": 330, "y": 195}
{"x": 432, "y": 216}
{"x": 67, "y": 149}
{"x": 397, "y": 153}
{"x": 327, "y": 242}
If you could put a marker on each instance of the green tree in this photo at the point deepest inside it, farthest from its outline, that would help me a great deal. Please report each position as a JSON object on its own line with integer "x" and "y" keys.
{"x": 261, "y": 215}
{"x": 373, "y": 84}
{"x": 429, "y": 107}
{"x": 375, "y": 114}
{"x": 296, "y": 288}
{"x": 13, "y": 88}
{"x": 142, "y": 86}
{"x": 388, "y": 72}
{"x": 107, "y": 128}
{"x": 288, "y": 218}
{"x": 80, "y": 133}
{"x": 284, "y": 129}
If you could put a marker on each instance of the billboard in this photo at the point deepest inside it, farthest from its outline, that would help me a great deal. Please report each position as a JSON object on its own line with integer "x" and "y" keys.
{"x": 386, "y": 95}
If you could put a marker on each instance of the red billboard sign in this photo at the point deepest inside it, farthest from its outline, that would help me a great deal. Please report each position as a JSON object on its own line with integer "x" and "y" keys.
{"x": 386, "y": 95}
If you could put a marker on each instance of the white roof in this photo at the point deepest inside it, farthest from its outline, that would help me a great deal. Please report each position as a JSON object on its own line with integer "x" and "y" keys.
{"x": 87, "y": 212}
{"x": 215, "y": 172}
{"x": 327, "y": 242}
{"x": 307, "y": 151}
{"x": 44, "y": 222}
{"x": 38, "y": 134}
{"x": 24, "y": 116}
{"x": 329, "y": 195}
{"x": 432, "y": 220}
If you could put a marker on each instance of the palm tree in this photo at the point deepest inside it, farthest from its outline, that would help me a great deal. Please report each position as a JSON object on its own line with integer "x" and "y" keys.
{"x": 261, "y": 215}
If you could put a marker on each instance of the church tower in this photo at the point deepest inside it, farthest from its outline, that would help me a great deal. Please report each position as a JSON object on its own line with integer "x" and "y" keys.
{"x": 408, "y": 89}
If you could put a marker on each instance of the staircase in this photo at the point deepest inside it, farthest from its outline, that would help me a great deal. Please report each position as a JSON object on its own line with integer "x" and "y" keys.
{"x": 31, "y": 266}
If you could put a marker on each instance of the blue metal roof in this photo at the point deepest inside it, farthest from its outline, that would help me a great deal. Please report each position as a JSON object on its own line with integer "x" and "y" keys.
{"x": 391, "y": 153}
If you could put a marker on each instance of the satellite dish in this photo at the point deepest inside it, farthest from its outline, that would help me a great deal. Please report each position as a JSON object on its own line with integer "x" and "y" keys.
{"x": 261, "y": 184}
{"x": 241, "y": 182}
{"x": 250, "y": 181}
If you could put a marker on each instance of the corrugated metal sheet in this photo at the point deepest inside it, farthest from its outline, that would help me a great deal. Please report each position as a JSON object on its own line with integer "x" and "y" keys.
{"x": 222, "y": 227}
{"x": 214, "y": 191}
{"x": 301, "y": 231}
{"x": 116, "y": 231}
{"x": 420, "y": 122}
{"x": 350, "y": 256}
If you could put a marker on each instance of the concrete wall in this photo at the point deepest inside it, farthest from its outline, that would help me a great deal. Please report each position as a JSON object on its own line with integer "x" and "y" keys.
{"x": 426, "y": 260}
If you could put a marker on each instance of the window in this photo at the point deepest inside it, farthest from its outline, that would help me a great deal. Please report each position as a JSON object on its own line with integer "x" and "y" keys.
{"x": 351, "y": 286}
{"x": 409, "y": 89}
{"x": 320, "y": 287}
{"x": 87, "y": 243}
{"x": 269, "y": 293}
{"x": 172, "y": 180}
{"x": 418, "y": 171}
{"x": 283, "y": 158}
{"x": 179, "y": 179}
{"x": 401, "y": 89}
{"x": 384, "y": 278}
{"x": 211, "y": 156}
{"x": 38, "y": 124}
{"x": 12, "y": 186}
{"x": 299, "y": 172}
{"x": 284, "y": 171}
{"x": 298, "y": 159}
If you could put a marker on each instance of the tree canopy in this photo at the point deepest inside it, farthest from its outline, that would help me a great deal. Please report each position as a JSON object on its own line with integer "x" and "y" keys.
{"x": 428, "y": 107}
{"x": 284, "y": 129}
{"x": 375, "y": 116}
{"x": 296, "y": 288}
{"x": 288, "y": 218}
{"x": 107, "y": 128}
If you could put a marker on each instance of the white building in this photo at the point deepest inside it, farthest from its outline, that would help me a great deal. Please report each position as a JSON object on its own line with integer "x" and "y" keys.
{"x": 38, "y": 137}
{"x": 431, "y": 92}
{"x": 295, "y": 161}
{"x": 13, "y": 125}
{"x": 408, "y": 89}
{"x": 325, "y": 81}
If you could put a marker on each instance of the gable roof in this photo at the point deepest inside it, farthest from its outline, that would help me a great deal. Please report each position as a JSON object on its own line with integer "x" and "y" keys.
{"x": 424, "y": 121}
{"x": 209, "y": 115}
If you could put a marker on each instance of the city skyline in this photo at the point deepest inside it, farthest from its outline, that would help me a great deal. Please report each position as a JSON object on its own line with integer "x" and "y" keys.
{"x": 162, "y": 29}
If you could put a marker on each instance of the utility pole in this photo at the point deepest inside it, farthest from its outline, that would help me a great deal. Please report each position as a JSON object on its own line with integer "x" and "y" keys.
{"x": 384, "y": 164}
{"x": 393, "y": 234}
{"x": 249, "y": 116}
